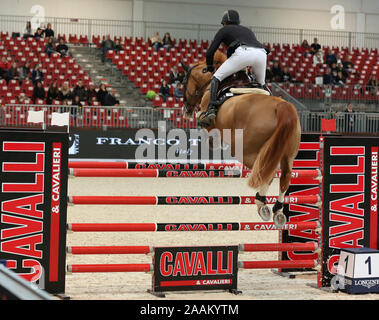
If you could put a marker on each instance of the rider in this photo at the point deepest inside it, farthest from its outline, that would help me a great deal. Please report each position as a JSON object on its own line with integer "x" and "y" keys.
{"x": 244, "y": 50}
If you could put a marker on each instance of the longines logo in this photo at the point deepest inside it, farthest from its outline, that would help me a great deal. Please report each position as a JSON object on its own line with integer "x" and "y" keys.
{"x": 74, "y": 144}
{"x": 366, "y": 283}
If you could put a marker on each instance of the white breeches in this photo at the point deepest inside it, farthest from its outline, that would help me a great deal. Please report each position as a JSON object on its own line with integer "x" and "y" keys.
{"x": 241, "y": 58}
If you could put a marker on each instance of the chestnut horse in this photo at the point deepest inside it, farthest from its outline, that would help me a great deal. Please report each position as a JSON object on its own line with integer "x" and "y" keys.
{"x": 271, "y": 133}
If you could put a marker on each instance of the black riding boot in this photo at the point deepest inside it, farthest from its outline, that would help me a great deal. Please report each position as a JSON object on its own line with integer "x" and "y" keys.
{"x": 265, "y": 87}
{"x": 211, "y": 112}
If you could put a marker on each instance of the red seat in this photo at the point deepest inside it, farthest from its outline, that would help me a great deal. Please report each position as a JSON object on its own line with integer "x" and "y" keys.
{"x": 73, "y": 38}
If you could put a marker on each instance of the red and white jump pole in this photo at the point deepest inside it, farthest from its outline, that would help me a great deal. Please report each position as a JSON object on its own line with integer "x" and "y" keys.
{"x": 147, "y": 267}
{"x": 199, "y": 226}
{"x": 260, "y": 247}
{"x": 109, "y": 249}
{"x": 277, "y": 264}
{"x": 186, "y": 200}
{"x": 246, "y": 247}
{"x": 157, "y": 173}
{"x": 137, "y": 267}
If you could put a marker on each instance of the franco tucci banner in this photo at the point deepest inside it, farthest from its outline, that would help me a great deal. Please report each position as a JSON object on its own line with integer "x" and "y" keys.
{"x": 33, "y": 202}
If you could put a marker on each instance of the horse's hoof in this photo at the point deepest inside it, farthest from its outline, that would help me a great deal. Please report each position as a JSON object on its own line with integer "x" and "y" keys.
{"x": 265, "y": 213}
{"x": 279, "y": 219}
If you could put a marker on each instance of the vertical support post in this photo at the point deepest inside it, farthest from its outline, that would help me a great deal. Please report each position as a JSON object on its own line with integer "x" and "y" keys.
{"x": 321, "y": 211}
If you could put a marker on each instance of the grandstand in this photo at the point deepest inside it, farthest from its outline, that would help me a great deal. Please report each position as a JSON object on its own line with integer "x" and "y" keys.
{"x": 138, "y": 68}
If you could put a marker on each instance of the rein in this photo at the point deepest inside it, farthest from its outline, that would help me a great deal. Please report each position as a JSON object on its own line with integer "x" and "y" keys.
{"x": 197, "y": 92}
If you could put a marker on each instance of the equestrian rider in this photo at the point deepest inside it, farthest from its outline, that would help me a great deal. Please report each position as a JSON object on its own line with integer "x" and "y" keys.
{"x": 244, "y": 50}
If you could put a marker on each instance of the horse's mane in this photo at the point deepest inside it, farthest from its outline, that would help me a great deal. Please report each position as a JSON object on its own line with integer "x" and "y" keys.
{"x": 218, "y": 58}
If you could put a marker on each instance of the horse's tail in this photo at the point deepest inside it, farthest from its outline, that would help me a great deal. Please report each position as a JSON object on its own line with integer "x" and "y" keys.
{"x": 274, "y": 148}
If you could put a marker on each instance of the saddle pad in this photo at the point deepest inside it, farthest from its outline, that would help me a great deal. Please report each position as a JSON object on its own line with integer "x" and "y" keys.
{"x": 249, "y": 90}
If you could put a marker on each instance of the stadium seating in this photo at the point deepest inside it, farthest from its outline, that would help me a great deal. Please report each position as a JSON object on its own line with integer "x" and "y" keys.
{"x": 146, "y": 69}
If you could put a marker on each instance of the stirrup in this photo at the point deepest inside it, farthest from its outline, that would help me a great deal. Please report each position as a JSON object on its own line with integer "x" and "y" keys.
{"x": 206, "y": 117}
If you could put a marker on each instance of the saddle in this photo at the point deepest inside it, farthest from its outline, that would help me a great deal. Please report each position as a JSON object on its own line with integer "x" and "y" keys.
{"x": 239, "y": 79}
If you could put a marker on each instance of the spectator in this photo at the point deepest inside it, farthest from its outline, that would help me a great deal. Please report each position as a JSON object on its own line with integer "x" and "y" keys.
{"x": 341, "y": 78}
{"x": 341, "y": 69}
{"x": 101, "y": 93}
{"x": 49, "y": 46}
{"x": 268, "y": 75}
{"x": 330, "y": 58}
{"x": 277, "y": 73}
{"x": 373, "y": 84}
{"x": 347, "y": 64}
{"x": 106, "y": 45}
{"x": 48, "y": 32}
{"x": 13, "y": 73}
{"x": 53, "y": 93}
{"x": 37, "y": 74}
{"x": 117, "y": 46}
{"x": 167, "y": 42}
{"x": 38, "y": 34}
{"x": 317, "y": 59}
{"x": 62, "y": 48}
{"x": 38, "y": 92}
{"x": 28, "y": 30}
{"x": 92, "y": 93}
{"x": 175, "y": 76}
{"x": 4, "y": 67}
{"x": 286, "y": 75}
{"x": 178, "y": 91}
{"x": 81, "y": 91}
{"x": 334, "y": 67}
{"x": 164, "y": 90}
{"x": 327, "y": 77}
{"x": 77, "y": 101}
{"x": 339, "y": 59}
{"x": 156, "y": 41}
{"x": 335, "y": 78}
{"x": 110, "y": 99}
{"x": 65, "y": 93}
{"x": 305, "y": 48}
{"x": 24, "y": 71}
{"x": 315, "y": 46}
{"x": 349, "y": 118}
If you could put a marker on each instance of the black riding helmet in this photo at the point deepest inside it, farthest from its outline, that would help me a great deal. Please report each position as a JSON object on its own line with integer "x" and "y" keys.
{"x": 230, "y": 17}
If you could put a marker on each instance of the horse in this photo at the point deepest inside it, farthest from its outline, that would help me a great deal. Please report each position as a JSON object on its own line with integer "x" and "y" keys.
{"x": 271, "y": 133}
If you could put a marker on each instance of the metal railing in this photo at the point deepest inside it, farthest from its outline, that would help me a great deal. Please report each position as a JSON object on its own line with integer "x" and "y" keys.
{"x": 102, "y": 118}
{"x": 328, "y": 97}
{"x": 198, "y": 32}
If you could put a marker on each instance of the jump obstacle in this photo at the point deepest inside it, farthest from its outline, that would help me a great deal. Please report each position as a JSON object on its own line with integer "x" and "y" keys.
{"x": 163, "y": 173}
{"x": 156, "y": 170}
{"x": 348, "y": 166}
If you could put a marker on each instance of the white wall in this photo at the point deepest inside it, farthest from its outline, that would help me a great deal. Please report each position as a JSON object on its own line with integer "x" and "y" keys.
{"x": 95, "y": 9}
{"x": 302, "y": 14}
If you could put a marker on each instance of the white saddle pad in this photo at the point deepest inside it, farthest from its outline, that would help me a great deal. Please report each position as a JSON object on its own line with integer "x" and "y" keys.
{"x": 249, "y": 90}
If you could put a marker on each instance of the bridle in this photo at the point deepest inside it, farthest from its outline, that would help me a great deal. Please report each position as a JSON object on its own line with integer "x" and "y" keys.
{"x": 198, "y": 93}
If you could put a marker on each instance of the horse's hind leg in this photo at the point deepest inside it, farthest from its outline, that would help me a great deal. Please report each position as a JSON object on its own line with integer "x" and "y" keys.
{"x": 263, "y": 209}
{"x": 285, "y": 179}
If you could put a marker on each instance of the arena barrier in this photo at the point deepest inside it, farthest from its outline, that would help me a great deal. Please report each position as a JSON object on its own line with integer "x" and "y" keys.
{"x": 185, "y": 200}
{"x": 158, "y": 173}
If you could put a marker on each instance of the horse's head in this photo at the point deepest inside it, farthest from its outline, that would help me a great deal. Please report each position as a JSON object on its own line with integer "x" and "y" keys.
{"x": 195, "y": 82}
